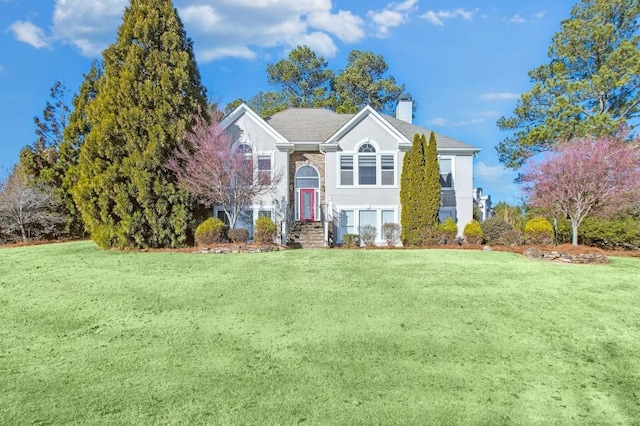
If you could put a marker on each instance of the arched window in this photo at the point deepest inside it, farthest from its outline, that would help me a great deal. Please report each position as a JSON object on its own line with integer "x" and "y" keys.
{"x": 367, "y": 147}
{"x": 246, "y": 169}
{"x": 367, "y": 166}
{"x": 307, "y": 177}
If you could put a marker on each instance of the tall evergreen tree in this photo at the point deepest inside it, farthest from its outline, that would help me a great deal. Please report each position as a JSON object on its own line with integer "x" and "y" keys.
{"x": 303, "y": 78}
{"x": 75, "y": 132}
{"x": 364, "y": 82}
{"x": 406, "y": 204}
{"x": 590, "y": 86}
{"x": 431, "y": 190}
{"x": 413, "y": 182}
{"x": 38, "y": 160}
{"x": 420, "y": 190}
{"x": 148, "y": 96}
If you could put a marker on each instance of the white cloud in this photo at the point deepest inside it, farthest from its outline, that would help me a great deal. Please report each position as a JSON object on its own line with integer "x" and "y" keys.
{"x": 490, "y": 173}
{"x": 29, "y": 33}
{"x": 344, "y": 25}
{"x": 517, "y": 19}
{"x": 540, "y": 15}
{"x": 90, "y": 25}
{"x": 392, "y": 16}
{"x": 499, "y": 96}
{"x": 202, "y": 16}
{"x": 220, "y": 28}
{"x": 406, "y": 5}
{"x": 445, "y": 122}
{"x": 437, "y": 18}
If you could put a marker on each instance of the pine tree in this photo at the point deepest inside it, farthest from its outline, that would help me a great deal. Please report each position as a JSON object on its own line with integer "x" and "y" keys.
{"x": 431, "y": 191}
{"x": 148, "y": 96}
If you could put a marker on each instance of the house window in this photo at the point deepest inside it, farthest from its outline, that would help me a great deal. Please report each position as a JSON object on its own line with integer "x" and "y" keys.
{"x": 446, "y": 175}
{"x": 367, "y": 147}
{"x": 264, "y": 169}
{"x": 222, "y": 215}
{"x": 347, "y": 222}
{"x": 388, "y": 173}
{"x": 246, "y": 165}
{"x": 388, "y": 216}
{"x": 368, "y": 217}
{"x": 346, "y": 170}
{"x": 367, "y": 165}
{"x": 367, "y": 169}
{"x": 307, "y": 177}
{"x": 264, "y": 213}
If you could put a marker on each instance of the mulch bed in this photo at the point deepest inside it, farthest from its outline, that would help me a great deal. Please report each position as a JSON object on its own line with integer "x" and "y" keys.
{"x": 563, "y": 248}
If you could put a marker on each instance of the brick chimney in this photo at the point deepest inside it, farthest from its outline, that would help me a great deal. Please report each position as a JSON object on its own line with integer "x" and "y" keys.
{"x": 404, "y": 108}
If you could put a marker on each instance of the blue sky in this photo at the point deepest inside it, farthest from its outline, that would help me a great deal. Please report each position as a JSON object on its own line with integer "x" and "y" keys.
{"x": 464, "y": 62}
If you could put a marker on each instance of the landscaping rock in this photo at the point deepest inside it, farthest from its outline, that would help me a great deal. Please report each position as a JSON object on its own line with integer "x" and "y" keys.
{"x": 533, "y": 252}
{"x": 559, "y": 256}
{"x": 240, "y": 249}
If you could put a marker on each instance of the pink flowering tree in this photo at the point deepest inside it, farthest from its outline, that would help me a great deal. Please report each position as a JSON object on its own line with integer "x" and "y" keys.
{"x": 216, "y": 172}
{"x": 588, "y": 176}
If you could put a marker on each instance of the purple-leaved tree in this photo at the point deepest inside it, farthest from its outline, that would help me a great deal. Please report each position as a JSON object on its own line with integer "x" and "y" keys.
{"x": 587, "y": 176}
{"x": 216, "y": 172}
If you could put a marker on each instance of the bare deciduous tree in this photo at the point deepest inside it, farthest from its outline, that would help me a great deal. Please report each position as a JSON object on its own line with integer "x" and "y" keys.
{"x": 27, "y": 212}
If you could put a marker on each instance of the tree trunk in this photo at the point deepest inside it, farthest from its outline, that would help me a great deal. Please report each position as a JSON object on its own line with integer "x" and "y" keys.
{"x": 574, "y": 231}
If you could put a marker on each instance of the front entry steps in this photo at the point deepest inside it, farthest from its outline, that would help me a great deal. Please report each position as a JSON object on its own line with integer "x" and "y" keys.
{"x": 305, "y": 235}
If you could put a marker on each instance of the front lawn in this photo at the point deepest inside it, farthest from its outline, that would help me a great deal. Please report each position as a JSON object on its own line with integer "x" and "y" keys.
{"x": 315, "y": 337}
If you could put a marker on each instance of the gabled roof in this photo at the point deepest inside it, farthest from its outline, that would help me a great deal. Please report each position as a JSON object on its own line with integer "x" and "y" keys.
{"x": 317, "y": 125}
{"x": 243, "y": 109}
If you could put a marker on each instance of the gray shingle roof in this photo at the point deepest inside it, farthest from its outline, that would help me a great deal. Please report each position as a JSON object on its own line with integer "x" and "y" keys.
{"x": 316, "y": 125}
{"x": 409, "y": 130}
{"x": 308, "y": 124}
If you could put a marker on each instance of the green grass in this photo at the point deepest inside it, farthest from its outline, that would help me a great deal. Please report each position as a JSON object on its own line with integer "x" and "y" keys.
{"x": 315, "y": 337}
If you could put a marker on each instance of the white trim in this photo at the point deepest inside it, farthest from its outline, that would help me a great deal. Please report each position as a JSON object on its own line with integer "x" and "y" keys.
{"x": 296, "y": 194}
{"x": 244, "y": 109}
{"x": 361, "y": 115}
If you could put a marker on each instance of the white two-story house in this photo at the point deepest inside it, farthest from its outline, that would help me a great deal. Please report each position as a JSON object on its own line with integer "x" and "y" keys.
{"x": 342, "y": 171}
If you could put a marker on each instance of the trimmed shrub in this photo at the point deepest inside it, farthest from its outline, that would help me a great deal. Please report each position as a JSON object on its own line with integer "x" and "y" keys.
{"x": 538, "y": 230}
{"x": 494, "y": 228}
{"x": 211, "y": 231}
{"x": 448, "y": 231}
{"x": 512, "y": 237}
{"x": 622, "y": 232}
{"x": 473, "y": 232}
{"x": 391, "y": 233}
{"x": 265, "y": 231}
{"x": 351, "y": 240}
{"x": 238, "y": 235}
{"x": 368, "y": 235}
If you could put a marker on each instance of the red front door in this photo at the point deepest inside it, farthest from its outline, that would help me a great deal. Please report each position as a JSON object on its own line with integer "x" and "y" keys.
{"x": 307, "y": 204}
